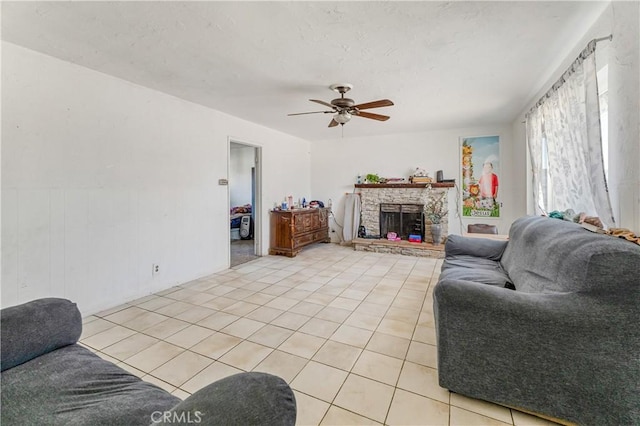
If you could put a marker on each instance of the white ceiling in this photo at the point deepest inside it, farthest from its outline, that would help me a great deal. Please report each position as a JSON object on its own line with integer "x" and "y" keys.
{"x": 443, "y": 64}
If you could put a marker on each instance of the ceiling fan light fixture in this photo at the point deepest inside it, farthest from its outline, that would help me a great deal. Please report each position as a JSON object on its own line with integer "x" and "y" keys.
{"x": 342, "y": 117}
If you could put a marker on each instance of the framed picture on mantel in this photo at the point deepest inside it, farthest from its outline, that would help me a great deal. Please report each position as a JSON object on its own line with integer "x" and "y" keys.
{"x": 480, "y": 171}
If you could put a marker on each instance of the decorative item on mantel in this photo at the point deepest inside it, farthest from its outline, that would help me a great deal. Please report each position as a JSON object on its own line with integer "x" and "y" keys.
{"x": 420, "y": 176}
{"x": 435, "y": 211}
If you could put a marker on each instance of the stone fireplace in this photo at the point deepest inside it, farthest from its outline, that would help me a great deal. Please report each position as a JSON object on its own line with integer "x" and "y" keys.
{"x": 372, "y": 196}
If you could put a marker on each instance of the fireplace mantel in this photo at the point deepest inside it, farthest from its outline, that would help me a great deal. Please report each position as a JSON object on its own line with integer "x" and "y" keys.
{"x": 406, "y": 185}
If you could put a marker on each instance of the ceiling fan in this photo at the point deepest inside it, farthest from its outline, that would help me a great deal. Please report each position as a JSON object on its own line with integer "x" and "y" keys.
{"x": 345, "y": 108}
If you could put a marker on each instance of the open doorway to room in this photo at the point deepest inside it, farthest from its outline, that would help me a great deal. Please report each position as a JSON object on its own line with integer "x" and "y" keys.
{"x": 244, "y": 197}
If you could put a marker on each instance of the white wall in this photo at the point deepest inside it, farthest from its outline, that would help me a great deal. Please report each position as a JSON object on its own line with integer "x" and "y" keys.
{"x": 102, "y": 178}
{"x": 621, "y": 19}
{"x": 241, "y": 160}
{"x": 624, "y": 114}
{"x": 336, "y": 163}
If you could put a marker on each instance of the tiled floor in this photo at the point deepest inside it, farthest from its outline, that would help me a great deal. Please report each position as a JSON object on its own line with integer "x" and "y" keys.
{"x": 351, "y": 332}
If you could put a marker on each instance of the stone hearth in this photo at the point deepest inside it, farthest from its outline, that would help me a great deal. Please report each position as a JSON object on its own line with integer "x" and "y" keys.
{"x": 399, "y": 247}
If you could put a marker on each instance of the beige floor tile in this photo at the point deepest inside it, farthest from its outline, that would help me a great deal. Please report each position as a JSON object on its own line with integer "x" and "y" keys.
{"x": 422, "y": 380}
{"x": 301, "y": 344}
{"x": 344, "y": 303}
{"x": 132, "y": 370}
{"x": 260, "y": 298}
{"x": 460, "y": 417}
{"x": 282, "y": 364}
{"x": 366, "y": 321}
{"x": 220, "y": 290}
{"x": 378, "y": 367}
{"x": 216, "y": 345}
{"x": 388, "y": 345}
{"x": 246, "y": 355}
{"x": 212, "y": 373}
{"x": 243, "y": 328}
{"x": 424, "y": 354}
{"x": 410, "y": 409}
{"x": 241, "y": 308}
{"x": 219, "y": 303}
{"x": 218, "y": 321}
{"x": 174, "y": 309}
{"x": 283, "y": 303}
{"x": 297, "y": 294}
{"x": 425, "y": 334}
{"x": 239, "y": 294}
{"x": 265, "y": 314}
{"x": 166, "y": 328}
{"x": 484, "y": 408}
{"x": 274, "y": 290}
{"x": 125, "y": 315}
{"x": 333, "y": 314}
{"x": 320, "y": 299}
{"x": 371, "y": 309}
{"x": 319, "y": 380}
{"x": 319, "y": 327}
{"x": 524, "y": 419}
{"x": 195, "y": 314}
{"x": 396, "y": 328}
{"x": 181, "y": 394}
{"x": 144, "y": 321}
{"x": 365, "y": 397}
{"x": 310, "y": 410}
{"x": 181, "y": 368}
{"x": 108, "y": 337}
{"x": 110, "y": 311}
{"x": 154, "y": 356}
{"x": 352, "y": 336}
{"x": 402, "y": 314}
{"x": 337, "y": 355}
{"x": 199, "y": 298}
{"x": 354, "y": 294}
{"x": 94, "y": 327}
{"x": 107, "y": 357}
{"x": 290, "y": 320}
{"x": 189, "y": 336}
{"x": 380, "y": 299}
{"x": 130, "y": 346}
{"x": 306, "y": 308}
{"x": 270, "y": 336}
{"x": 159, "y": 383}
{"x": 340, "y": 417}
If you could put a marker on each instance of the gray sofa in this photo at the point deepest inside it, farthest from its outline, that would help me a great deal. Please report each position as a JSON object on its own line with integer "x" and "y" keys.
{"x": 48, "y": 379}
{"x": 565, "y": 343}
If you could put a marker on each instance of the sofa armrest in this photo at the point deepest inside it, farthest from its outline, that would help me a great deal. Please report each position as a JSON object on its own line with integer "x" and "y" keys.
{"x": 457, "y": 245}
{"x": 242, "y": 399}
{"x": 36, "y": 328}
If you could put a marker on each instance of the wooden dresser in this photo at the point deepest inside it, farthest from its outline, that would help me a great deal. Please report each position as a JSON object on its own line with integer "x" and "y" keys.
{"x": 291, "y": 230}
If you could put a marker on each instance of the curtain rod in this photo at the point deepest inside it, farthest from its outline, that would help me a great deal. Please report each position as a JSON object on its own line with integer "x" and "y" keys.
{"x": 591, "y": 47}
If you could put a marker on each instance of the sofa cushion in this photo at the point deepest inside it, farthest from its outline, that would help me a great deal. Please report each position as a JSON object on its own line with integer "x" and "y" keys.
{"x": 549, "y": 255}
{"x": 73, "y": 386}
{"x": 478, "y": 247}
{"x": 35, "y": 328}
{"x": 471, "y": 268}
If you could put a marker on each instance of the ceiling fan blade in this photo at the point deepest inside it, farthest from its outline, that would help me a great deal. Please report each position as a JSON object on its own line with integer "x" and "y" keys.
{"x": 323, "y": 103}
{"x": 333, "y": 123}
{"x": 372, "y": 116}
{"x": 375, "y": 104}
{"x": 314, "y": 112}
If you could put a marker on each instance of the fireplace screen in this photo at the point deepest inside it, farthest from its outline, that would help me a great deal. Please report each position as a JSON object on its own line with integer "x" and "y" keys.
{"x": 403, "y": 219}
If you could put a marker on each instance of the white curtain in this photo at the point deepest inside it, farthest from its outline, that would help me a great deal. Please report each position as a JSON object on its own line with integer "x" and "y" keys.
{"x": 352, "y": 209}
{"x": 564, "y": 138}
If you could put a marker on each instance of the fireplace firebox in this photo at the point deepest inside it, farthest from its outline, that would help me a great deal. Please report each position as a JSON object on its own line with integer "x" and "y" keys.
{"x": 403, "y": 219}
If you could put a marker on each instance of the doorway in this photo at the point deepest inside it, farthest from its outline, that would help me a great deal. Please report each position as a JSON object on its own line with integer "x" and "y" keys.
{"x": 244, "y": 200}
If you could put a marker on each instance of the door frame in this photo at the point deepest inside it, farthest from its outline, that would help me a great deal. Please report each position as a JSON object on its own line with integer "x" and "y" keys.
{"x": 257, "y": 208}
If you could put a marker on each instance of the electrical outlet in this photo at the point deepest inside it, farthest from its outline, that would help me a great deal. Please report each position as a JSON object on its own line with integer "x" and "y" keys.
{"x": 155, "y": 269}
